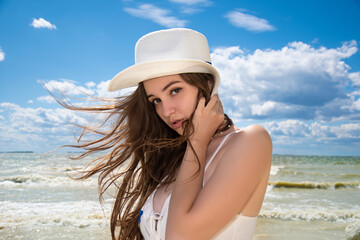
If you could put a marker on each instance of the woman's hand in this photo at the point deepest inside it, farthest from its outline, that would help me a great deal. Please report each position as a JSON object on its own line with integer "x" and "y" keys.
{"x": 207, "y": 119}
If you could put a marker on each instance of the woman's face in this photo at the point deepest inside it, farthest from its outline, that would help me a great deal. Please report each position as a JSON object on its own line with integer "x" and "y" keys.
{"x": 174, "y": 99}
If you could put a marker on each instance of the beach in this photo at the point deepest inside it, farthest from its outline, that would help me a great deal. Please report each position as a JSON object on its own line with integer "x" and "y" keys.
{"x": 308, "y": 197}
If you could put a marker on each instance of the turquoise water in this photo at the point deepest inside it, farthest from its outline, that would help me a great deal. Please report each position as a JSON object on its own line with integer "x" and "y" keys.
{"x": 308, "y": 197}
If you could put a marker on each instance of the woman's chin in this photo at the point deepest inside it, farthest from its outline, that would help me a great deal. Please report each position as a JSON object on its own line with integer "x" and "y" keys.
{"x": 179, "y": 130}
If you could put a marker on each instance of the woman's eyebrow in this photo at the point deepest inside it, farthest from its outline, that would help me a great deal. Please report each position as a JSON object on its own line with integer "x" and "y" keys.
{"x": 166, "y": 87}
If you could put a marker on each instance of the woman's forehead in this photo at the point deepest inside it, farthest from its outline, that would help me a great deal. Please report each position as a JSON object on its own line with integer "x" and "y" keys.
{"x": 160, "y": 84}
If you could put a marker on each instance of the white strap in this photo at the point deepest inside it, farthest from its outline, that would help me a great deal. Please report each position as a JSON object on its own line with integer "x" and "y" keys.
{"x": 218, "y": 148}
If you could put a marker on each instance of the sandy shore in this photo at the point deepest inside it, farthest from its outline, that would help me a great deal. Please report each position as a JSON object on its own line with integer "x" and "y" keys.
{"x": 277, "y": 229}
{"x": 267, "y": 229}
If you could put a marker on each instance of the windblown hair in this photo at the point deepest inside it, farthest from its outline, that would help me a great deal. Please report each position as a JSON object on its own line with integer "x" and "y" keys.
{"x": 141, "y": 152}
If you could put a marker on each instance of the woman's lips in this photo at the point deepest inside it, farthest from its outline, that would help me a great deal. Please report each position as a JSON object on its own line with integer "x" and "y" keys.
{"x": 176, "y": 124}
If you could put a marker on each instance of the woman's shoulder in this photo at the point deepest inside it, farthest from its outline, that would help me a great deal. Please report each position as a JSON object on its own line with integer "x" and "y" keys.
{"x": 252, "y": 133}
{"x": 253, "y": 139}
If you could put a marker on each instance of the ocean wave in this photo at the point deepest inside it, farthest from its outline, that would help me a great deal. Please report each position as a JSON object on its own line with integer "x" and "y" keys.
{"x": 77, "y": 214}
{"x": 43, "y": 169}
{"x": 84, "y": 214}
{"x": 316, "y": 172}
{"x": 319, "y": 160}
{"x": 315, "y": 185}
{"x": 275, "y": 170}
{"x": 344, "y": 215}
{"x": 37, "y": 180}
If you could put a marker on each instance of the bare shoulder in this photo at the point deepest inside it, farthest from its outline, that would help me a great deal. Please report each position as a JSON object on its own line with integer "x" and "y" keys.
{"x": 253, "y": 134}
{"x": 254, "y": 141}
{"x": 257, "y": 132}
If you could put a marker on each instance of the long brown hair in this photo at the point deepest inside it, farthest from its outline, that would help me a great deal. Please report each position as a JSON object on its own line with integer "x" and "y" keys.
{"x": 142, "y": 144}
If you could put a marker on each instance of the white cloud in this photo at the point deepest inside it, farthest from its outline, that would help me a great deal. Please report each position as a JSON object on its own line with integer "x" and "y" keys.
{"x": 30, "y": 101}
{"x": 249, "y": 22}
{"x": 315, "y": 41}
{"x": 263, "y": 109}
{"x": 296, "y": 81}
{"x": 2, "y": 55}
{"x": 355, "y": 78}
{"x": 39, "y": 128}
{"x": 39, "y": 119}
{"x": 8, "y": 105}
{"x": 102, "y": 90}
{"x": 43, "y": 129}
{"x": 356, "y": 105}
{"x": 192, "y": 6}
{"x": 270, "y": 107}
{"x": 70, "y": 88}
{"x": 46, "y": 99}
{"x": 288, "y": 128}
{"x": 157, "y": 15}
{"x": 67, "y": 87}
{"x": 314, "y": 138}
{"x": 90, "y": 84}
{"x": 289, "y": 131}
{"x": 349, "y": 130}
{"x": 42, "y": 23}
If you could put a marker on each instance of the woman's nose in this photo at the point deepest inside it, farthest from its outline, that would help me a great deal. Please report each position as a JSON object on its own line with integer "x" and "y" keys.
{"x": 168, "y": 108}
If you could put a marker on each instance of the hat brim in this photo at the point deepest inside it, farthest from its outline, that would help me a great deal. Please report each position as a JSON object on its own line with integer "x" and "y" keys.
{"x": 137, "y": 73}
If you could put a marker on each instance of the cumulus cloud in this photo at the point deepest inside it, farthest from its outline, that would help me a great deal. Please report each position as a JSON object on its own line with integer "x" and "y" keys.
{"x": 356, "y": 105}
{"x": 2, "y": 55}
{"x": 86, "y": 91}
{"x": 292, "y": 128}
{"x": 101, "y": 90}
{"x": 39, "y": 119}
{"x": 45, "y": 128}
{"x": 249, "y": 22}
{"x": 67, "y": 87}
{"x": 39, "y": 128}
{"x": 36, "y": 126}
{"x": 42, "y": 23}
{"x": 46, "y": 99}
{"x": 313, "y": 131}
{"x": 355, "y": 78}
{"x": 296, "y": 81}
{"x": 157, "y": 15}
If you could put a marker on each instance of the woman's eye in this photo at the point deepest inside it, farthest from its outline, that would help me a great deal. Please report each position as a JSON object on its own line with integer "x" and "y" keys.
{"x": 175, "y": 91}
{"x": 156, "y": 101}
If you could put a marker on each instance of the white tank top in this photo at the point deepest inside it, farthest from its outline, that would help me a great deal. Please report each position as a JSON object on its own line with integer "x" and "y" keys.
{"x": 153, "y": 224}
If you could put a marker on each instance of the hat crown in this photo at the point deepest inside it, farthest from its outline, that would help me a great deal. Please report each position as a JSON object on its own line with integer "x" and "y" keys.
{"x": 167, "y": 52}
{"x": 171, "y": 44}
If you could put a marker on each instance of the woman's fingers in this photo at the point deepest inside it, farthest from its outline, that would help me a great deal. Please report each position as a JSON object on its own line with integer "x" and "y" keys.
{"x": 201, "y": 104}
{"x": 207, "y": 118}
{"x": 215, "y": 104}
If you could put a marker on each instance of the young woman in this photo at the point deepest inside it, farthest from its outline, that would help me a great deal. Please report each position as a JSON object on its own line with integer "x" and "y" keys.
{"x": 190, "y": 173}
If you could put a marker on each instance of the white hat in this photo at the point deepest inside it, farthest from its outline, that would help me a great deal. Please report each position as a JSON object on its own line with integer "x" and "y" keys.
{"x": 167, "y": 52}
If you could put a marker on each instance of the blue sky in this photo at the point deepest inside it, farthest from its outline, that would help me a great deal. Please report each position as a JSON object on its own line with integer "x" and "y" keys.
{"x": 293, "y": 67}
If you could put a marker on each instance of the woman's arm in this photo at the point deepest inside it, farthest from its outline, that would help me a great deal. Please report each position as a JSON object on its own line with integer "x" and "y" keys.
{"x": 198, "y": 212}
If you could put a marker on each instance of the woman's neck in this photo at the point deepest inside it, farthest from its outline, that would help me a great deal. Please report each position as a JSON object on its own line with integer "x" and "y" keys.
{"x": 230, "y": 129}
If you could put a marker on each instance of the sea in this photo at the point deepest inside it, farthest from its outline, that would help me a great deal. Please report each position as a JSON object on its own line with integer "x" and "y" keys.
{"x": 308, "y": 197}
